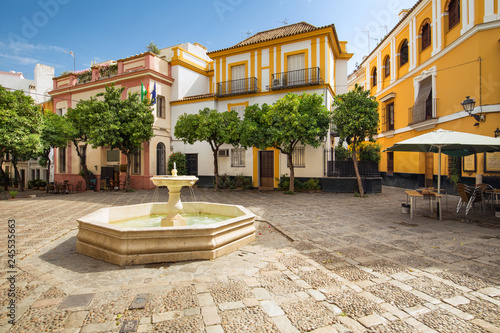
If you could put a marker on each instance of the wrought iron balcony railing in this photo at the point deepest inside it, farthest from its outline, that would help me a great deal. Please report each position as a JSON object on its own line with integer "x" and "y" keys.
{"x": 237, "y": 87}
{"x": 296, "y": 78}
{"x": 422, "y": 112}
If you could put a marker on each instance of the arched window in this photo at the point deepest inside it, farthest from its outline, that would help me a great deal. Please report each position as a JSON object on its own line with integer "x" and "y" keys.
{"x": 453, "y": 13}
{"x": 374, "y": 77}
{"x": 403, "y": 53}
{"x": 387, "y": 69}
{"x": 160, "y": 159}
{"x": 426, "y": 35}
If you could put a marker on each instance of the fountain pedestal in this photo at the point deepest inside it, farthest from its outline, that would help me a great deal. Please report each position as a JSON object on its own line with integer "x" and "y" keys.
{"x": 174, "y": 206}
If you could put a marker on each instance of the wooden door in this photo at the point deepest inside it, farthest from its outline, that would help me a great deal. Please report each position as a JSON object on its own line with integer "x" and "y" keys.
{"x": 429, "y": 169}
{"x": 266, "y": 168}
{"x": 192, "y": 164}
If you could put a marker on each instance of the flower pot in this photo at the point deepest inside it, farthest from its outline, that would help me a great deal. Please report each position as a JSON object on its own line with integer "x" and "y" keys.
{"x": 405, "y": 208}
{"x": 497, "y": 212}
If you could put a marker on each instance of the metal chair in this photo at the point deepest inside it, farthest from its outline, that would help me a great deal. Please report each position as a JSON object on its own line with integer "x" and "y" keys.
{"x": 104, "y": 185}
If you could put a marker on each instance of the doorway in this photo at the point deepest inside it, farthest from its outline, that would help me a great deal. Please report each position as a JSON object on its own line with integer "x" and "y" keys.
{"x": 192, "y": 164}
{"x": 266, "y": 168}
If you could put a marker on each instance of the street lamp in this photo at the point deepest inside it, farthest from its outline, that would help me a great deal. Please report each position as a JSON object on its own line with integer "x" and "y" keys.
{"x": 468, "y": 106}
{"x": 497, "y": 132}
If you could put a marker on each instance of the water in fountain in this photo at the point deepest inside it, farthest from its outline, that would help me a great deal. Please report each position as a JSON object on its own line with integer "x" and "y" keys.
{"x": 193, "y": 197}
{"x": 156, "y": 194}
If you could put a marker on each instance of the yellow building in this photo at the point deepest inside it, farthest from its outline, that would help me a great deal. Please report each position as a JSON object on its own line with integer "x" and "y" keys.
{"x": 261, "y": 69}
{"x": 440, "y": 52}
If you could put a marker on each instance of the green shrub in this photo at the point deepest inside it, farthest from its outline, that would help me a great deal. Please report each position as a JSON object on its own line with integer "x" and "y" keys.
{"x": 243, "y": 182}
{"x": 225, "y": 181}
{"x": 369, "y": 151}
{"x": 13, "y": 194}
{"x": 180, "y": 163}
{"x": 309, "y": 185}
{"x": 342, "y": 153}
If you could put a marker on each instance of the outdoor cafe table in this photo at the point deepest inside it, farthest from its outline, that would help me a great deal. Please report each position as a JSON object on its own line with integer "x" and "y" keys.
{"x": 411, "y": 196}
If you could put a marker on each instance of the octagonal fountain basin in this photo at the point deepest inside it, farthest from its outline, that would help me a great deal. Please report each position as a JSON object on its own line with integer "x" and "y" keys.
{"x": 100, "y": 235}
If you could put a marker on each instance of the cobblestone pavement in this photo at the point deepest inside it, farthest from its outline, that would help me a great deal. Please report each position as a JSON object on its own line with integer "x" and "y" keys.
{"x": 322, "y": 262}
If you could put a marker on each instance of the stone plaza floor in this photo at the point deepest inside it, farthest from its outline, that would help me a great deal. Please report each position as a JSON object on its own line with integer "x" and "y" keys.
{"x": 322, "y": 262}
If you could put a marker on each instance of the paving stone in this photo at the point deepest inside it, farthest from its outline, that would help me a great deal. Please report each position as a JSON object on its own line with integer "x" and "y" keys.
{"x": 490, "y": 291}
{"x": 317, "y": 295}
{"x": 456, "y": 311}
{"x": 205, "y": 299}
{"x": 457, "y": 300}
{"x": 261, "y": 294}
{"x": 192, "y": 312}
{"x": 46, "y": 302}
{"x": 214, "y": 329}
{"x": 372, "y": 320}
{"x": 352, "y": 324}
{"x": 284, "y": 324}
{"x": 487, "y": 326}
{"x": 210, "y": 315}
{"x": 250, "y": 302}
{"x": 230, "y": 305}
{"x": 326, "y": 329}
{"x": 103, "y": 327}
{"x": 75, "y": 319}
{"x": 417, "y": 310}
{"x": 271, "y": 308}
{"x": 171, "y": 315}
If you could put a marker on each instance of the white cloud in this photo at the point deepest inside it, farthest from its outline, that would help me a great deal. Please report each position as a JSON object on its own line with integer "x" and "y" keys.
{"x": 20, "y": 60}
{"x": 25, "y": 47}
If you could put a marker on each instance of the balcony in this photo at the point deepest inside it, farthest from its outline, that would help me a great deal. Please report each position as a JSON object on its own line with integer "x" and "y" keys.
{"x": 237, "y": 87}
{"x": 421, "y": 112}
{"x": 296, "y": 78}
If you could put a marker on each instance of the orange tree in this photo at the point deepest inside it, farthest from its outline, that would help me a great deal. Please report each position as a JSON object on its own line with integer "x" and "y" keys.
{"x": 356, "y": 118}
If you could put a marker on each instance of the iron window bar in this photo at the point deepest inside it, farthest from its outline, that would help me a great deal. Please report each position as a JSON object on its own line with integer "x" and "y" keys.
{"x": 237, "y": 87}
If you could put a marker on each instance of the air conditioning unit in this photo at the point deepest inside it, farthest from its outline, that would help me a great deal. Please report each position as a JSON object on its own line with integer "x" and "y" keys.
{"x": 223, "y": 153}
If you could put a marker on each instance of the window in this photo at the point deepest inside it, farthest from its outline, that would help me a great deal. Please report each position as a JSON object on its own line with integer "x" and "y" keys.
{"x": 61, "y": 112}
{"x": 387, "y": 69}
{"x": 423, "y": 107}
{"x": 113, "y": 156}
{"x": 136, "y": 163}
{"x": 160, "y": 106}
{"x": 453, "y": 13}
{"x": 238, "y": 157}
{"x": 374, "y": 77}
{"x": 238, "y": 78}
{"x": 62, "y": 160}
{"x": 298, "y": 157}
{"x": 426, "y": 36}
{"x": 403, "y": 53}
{"x": 390, "y": 116}
{"x": 240, "y": 109}
{"x": 295, "y": 65}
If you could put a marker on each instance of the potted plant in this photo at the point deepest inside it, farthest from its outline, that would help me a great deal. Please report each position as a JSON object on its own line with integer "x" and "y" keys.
{"x": 406, "y": 208}
{"x": 34, "y": 184}
{"x": 31, "y": 183}
{"x": 41, "y": 184}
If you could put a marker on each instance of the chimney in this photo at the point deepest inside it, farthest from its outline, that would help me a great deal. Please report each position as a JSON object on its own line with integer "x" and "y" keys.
{"x": 403, "y": 13}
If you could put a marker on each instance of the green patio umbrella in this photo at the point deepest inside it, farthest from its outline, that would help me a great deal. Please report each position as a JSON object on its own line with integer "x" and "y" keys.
{"x": 451, "y": 143}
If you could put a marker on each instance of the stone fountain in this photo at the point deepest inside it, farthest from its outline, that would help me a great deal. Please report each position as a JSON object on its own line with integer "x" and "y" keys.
{"x": 101, "y": 236}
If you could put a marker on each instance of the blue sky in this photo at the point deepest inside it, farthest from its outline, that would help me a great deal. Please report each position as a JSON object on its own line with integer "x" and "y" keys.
{"x": 44, "y": 31}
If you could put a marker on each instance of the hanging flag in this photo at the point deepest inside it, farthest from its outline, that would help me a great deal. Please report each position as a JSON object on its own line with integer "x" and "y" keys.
{"x": 143, "y": 91}
{"x": 153, "y": 95}
{"x": 147, "y": 92}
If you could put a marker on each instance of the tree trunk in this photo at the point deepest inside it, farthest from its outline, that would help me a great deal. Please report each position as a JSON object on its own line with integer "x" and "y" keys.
{"x": 4, "y": 176}
{"x": 216, "y": 168}
{"x": 17, "y": 175}
{"x": 83, "y": 162}
{"x": 292, "y": 172}
{"x": 355, "y": 161}
{"x": 127, "y": 174}
{"x": 47, "y": 173}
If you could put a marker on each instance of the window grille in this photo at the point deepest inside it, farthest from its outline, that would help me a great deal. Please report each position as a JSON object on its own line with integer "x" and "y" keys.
{"x": 238, "y": 157}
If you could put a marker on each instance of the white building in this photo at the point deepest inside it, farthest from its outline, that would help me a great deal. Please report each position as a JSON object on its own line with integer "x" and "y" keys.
{"x": 261, "y": 69}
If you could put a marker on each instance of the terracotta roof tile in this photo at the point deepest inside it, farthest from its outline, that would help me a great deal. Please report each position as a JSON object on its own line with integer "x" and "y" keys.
{"x": 194, "y": 97}
{"x": 288, "y": 30}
